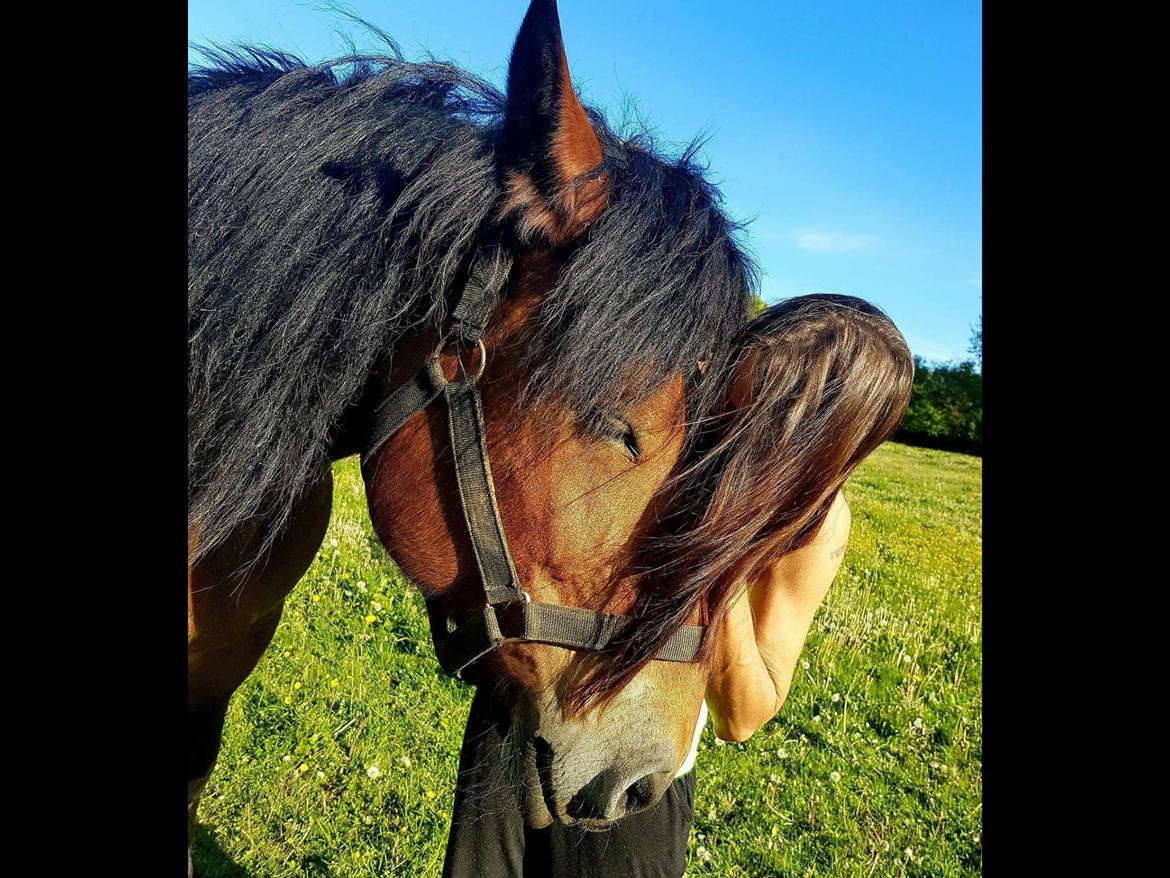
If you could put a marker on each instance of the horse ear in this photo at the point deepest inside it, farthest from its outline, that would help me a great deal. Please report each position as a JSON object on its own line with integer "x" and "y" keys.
{"x": 550, "y": 156}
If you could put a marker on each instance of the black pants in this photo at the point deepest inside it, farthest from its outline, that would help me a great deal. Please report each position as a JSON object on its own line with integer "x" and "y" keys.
{"x": 489, "y": 838}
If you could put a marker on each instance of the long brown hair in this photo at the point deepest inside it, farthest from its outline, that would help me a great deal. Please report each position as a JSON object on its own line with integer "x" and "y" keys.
{"x": 817, "y": 383}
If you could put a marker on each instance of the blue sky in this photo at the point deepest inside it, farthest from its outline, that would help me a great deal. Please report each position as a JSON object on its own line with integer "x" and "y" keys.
{"x": 849, "y": 132}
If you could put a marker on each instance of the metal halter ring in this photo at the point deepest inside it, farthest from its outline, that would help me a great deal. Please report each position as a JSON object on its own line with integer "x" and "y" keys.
{"x": 444, "y": 342}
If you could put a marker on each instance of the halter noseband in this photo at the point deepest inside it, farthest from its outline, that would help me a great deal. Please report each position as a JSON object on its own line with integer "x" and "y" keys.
{"x": 508, "y": 614}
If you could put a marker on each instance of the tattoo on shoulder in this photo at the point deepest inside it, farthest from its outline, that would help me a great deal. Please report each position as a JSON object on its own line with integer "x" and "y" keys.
{"x": 838, "y": 552}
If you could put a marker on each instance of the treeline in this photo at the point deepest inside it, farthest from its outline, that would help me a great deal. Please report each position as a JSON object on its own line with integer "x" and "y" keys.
{"x": 946, "y": 407}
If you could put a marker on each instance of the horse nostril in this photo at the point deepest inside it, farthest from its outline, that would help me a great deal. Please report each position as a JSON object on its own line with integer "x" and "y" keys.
{"x": 638, "y": 795}
{"x": 581, "y": 807}
{"x": 544, "y": 763}
{"x": 605, "y": 799}
{"x": 543, "y": 748}
{"x": 591, "y": 802}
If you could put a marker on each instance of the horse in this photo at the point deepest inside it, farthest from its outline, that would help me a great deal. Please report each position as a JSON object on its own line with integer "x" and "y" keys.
{"x": 564, "y": 289}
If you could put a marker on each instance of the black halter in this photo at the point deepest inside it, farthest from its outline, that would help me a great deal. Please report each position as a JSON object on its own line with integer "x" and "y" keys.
{"x": 509, "y": 613}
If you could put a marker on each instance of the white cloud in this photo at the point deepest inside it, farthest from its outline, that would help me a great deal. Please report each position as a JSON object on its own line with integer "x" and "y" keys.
{"x": 819, "y": 241}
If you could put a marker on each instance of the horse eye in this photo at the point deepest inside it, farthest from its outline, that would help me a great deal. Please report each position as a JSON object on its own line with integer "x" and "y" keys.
{"x": 630, "y": 441}
{"x": 609, "y": 426}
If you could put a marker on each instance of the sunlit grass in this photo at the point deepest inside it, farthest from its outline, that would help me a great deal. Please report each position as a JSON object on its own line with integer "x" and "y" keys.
{"x": 340, "y": 751}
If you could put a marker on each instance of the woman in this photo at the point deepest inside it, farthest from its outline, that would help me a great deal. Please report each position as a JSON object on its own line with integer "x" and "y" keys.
{"x": 817, "y": 384}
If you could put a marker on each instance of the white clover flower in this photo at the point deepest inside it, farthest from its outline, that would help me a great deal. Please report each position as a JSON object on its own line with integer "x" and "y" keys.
{"x": 804, "y": 664}
{"x": 333, "y": 544}
{"x": 775, "y": 778}
{"x": 834, "y": 776}
{"x": 406, "y": 763}
{"x": 836, "y": 697}
{"x": 374, "y": 772}
{"x": 376, "y": 606}
{"x": 781, "y": 753}
{"x": 703, "y": 854}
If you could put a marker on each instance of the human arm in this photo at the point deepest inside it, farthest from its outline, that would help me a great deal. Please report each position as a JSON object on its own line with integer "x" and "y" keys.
{"x": 761, "y": 637}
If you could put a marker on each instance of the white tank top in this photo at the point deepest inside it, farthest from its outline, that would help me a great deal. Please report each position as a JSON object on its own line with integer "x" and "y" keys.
{"x": 689, "y": 763}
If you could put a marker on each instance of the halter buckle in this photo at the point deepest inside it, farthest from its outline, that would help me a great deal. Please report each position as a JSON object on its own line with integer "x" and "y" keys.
{"x": 447, "y": 341}
{"x": 511, "y": 618}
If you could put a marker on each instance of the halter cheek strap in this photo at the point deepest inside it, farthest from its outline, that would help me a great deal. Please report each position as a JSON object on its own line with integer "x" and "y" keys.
{"x": 508, "y": 613}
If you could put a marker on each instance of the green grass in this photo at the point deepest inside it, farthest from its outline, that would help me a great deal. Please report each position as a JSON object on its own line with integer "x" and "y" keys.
{"x": 873, "y": 767}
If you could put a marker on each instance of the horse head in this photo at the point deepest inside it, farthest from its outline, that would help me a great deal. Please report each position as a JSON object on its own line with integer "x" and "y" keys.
{"x": 624, "y": 280}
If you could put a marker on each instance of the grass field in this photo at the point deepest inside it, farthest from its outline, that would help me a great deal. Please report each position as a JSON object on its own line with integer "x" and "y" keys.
{"x": 340, "y": 751}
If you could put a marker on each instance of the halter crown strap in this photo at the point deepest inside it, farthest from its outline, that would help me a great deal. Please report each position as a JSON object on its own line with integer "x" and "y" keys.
{"x": 485, "y": 279}
{"x": 508, "y": 614}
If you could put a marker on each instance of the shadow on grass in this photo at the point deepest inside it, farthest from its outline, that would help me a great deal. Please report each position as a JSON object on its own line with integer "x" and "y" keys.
{"x": 209, "y": 859}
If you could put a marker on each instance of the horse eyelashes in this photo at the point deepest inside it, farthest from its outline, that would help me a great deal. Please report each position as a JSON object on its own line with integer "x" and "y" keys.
{"x": 631, "y": 442}
{"x": 605, "y": 425}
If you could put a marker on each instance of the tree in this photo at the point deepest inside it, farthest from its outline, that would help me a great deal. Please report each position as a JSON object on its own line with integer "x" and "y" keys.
{"x": 946, "y": 407}
{"x": 976, "y": 346}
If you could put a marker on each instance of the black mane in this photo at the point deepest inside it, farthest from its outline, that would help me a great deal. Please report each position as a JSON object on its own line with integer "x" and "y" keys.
{"x": 330, "y": 210}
